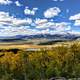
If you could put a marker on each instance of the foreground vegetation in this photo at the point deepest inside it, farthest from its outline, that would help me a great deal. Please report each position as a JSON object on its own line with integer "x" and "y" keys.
{"x": 59, "y": 61}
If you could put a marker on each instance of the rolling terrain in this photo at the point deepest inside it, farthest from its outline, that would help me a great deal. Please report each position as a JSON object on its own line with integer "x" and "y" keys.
{"x": 40, "y": 39}
{"x": 10, "y": 45}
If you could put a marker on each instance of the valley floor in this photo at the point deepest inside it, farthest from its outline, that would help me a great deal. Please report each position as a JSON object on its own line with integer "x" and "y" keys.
{"x": 60, "y": 61}
{"x": 33, "y": 46}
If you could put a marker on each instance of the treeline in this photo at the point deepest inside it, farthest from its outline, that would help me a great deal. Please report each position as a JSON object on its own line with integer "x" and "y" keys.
{"x": 61, "y": 61}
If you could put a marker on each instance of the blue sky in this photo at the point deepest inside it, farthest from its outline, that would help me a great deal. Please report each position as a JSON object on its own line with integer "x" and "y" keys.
{"x": 28, "y": 17}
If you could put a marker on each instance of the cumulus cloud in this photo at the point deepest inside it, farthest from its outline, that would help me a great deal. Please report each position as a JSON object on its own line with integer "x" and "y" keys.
{"x": 51, "y": 12}
{"x": 52, "y": 27}
{"x": 5, "y": 2}
{"x": 7, "y": 20}
{"x": 45, "y": 24}
{"x": 13, "y": 31}
{"x": 18, "y": 3}
{"x": 76, "y": 18}
{"x": 20, "y": 22}
{"x": 27, "y": 11}
{"x": 77, "y": 23}
{"x": 63, "y": 26}
{"x": 39, "y": 21}
{"x": 11, "y": 26}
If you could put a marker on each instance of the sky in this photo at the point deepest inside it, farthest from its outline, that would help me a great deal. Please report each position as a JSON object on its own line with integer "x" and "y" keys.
{"x": 31, "y": 17}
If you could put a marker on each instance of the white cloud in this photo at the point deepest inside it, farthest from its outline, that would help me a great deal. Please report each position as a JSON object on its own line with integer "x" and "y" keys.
{"x": 40, "y": 21}
{"x": 51, "y": 12}
{"x": 45, "y": 24}
{"x": 10, "y": 26}
{"x": 76, "y": 18}
{"x": 7, "y": 20}
{"x": 27, "y": 11}
{"x": 5, "y": 2}
{"x": 77, "y": 23}
{"x": 13, "y": 31}
{"x": 20, "y": 22}
{"x": 18, "y": 3}
{"x": 63, "y": 26}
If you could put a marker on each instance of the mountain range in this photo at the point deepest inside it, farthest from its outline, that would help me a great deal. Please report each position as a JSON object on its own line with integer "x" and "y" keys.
{"x": 51, "y": 37}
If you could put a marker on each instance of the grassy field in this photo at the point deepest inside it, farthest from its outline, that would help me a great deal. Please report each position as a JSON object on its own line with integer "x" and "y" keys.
{"x": 23, "y": 62}
{"x": 10, "y": 45}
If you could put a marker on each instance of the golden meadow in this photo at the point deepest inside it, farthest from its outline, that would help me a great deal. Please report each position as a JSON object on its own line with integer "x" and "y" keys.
{"x": 43, "y": 64}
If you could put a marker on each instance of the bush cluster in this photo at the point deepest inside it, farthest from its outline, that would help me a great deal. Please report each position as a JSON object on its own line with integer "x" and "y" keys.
{"x": 60, "y": 61}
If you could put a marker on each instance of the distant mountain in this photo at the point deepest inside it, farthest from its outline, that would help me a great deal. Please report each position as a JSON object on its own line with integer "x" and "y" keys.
{"x": 51, "y": 37}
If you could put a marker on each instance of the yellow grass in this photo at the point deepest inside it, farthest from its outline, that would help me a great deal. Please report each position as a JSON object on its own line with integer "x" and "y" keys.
{"x": 26, "y": 46}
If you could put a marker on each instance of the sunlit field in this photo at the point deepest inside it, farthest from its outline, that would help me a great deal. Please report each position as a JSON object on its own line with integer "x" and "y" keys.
{"x": 39, "y": 39}
{"x": 34, "y": 62}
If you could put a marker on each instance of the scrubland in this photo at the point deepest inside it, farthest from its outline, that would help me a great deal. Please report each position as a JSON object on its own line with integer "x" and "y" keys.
{"x": 58, "y": 60}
